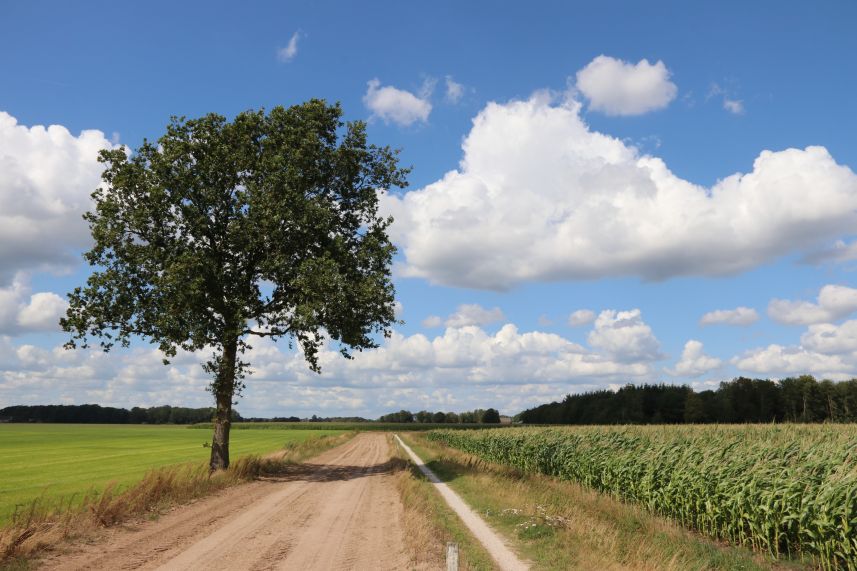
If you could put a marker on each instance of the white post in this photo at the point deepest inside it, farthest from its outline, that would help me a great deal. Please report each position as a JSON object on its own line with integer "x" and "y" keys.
{"x": 451, "y": 556}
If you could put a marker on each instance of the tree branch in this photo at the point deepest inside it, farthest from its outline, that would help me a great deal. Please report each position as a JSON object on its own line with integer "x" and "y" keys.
{"x": 274, "y": 333}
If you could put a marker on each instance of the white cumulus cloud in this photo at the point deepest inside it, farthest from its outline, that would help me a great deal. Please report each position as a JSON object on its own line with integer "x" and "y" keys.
{"x": 831, "y": 339}
{"x": 624, "y": 336}
{"x": 784, "y": 360}
{"x": 22, "y": 311}
{"x": 581, "y": 317}
{"x": 833, "y": 302}
{"x": 694, "y": 362}
{"x": 738, "y": 316}
{"x": 474, "y": 314}
{"x": 539, "y": 196}
{"x": 826, "y": 350}
{"x": 396, "y": 105}
{"x": 46, "y": 177}
{"x": 617, "y": 87}
{"x": 43, "y": 311}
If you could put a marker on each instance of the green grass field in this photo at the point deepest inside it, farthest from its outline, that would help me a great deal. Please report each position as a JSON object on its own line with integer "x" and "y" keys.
{"x": 58, "y": 461}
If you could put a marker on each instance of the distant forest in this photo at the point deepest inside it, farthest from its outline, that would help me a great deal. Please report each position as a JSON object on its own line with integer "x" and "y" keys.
{"x": 797, "y": 399}
{"x": 95, "y": 414}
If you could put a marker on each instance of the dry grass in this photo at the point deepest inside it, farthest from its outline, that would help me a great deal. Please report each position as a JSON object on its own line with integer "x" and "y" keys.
{"x": 38, "y": 528}
{"x": 425, "y": 545}
{"x": 429, "y": 524}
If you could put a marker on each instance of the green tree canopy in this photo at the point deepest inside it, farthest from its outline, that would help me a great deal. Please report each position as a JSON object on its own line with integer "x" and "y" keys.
{"x": 264, "y": 226}
{"x": 490, "y": 416}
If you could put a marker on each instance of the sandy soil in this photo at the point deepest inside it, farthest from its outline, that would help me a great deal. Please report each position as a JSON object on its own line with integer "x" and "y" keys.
{"x": 340, "y": 511}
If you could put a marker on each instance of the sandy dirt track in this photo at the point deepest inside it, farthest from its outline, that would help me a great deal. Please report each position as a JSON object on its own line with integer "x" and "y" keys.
{"x": 339, "y": 511}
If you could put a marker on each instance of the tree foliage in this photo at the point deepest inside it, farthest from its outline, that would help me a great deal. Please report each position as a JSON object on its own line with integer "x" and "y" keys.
{"x": 264, "y": 226}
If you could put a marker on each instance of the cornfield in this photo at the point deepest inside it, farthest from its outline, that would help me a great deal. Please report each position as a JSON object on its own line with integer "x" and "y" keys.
{"x": 785, "y": 489}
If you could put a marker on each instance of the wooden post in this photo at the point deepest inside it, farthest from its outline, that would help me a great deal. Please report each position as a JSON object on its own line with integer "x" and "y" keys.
{"x": 451, "y": 556}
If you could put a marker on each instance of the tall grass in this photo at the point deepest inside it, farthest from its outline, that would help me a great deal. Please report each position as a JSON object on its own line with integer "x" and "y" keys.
{"x": 788, "y": 490}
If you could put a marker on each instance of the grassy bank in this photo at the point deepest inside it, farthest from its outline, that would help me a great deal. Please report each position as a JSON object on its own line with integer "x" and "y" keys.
{"x": 562, "y": 525}
{"x": 52, "y": 463}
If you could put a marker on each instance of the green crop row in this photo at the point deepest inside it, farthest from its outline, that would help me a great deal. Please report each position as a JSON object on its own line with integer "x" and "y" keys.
{"x": 785, "y": 489}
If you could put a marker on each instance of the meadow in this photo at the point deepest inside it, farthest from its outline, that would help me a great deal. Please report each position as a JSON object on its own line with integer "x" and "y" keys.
{"x": 787, "y": 490}
{"x": 60, "y": 462}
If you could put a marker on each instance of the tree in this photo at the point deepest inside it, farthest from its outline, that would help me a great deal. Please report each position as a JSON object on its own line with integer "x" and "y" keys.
{"x": 265, "y": 226}
{"x": 490, "y": 416}
{"x": 694, "y": 409}
{"x": 401, "y": 416}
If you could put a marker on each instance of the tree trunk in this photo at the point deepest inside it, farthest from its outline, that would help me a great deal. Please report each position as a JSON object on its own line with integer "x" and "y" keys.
{"x": 224, "y": 389}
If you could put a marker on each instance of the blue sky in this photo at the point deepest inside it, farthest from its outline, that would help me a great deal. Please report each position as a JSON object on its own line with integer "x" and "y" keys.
{"x": 565, "y": 159}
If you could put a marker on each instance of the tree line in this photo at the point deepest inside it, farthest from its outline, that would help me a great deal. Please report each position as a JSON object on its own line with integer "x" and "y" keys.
{"x": 741, "y": 400}
{"x": 96, "y": 414}
{"x": 313, "y": 418}
{"x": 478, "y": 416}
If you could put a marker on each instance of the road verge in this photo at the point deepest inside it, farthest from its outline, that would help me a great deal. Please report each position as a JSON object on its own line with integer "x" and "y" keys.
{"x": 502, "y": 555}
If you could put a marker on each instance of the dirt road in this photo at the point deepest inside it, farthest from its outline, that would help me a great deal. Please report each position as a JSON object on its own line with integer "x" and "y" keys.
{"x": 341, "y": 511}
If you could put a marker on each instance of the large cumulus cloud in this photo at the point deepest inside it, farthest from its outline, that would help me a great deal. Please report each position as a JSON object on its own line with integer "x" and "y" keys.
{"x": 46, "y": 177}
{"x": 540, "y": 196}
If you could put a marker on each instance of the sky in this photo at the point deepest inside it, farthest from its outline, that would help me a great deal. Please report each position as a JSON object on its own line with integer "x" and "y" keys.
{"x": 601, "y": 194}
